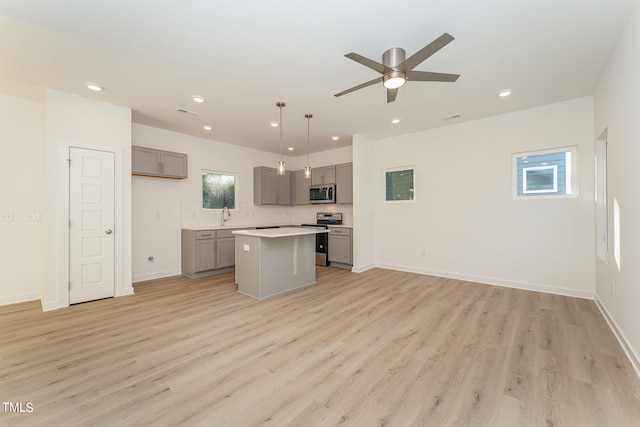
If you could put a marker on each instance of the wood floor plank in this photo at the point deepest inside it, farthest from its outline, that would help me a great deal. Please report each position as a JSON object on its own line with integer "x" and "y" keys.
{"x": 375, "y": 348}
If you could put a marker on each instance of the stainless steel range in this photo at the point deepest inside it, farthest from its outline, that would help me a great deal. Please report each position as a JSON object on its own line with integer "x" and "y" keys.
{"x": 324, "y": 220}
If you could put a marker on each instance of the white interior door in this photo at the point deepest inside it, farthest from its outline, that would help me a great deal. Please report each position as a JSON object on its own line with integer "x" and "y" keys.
{"x": 91, "y": 225}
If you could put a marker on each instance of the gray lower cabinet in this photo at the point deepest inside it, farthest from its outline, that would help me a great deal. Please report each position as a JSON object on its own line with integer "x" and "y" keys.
{"x": 207, "y": 252}
{"x": 158, "y": 163}
{"x": 340, "y": 247}
{"x": 226, "y": 245}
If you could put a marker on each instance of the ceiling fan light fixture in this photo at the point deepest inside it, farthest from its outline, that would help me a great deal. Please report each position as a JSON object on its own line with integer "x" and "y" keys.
{"x": 394, "y": 80}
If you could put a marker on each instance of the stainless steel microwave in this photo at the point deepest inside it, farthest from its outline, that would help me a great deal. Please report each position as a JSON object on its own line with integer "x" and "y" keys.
{"x": 322, "y": 193}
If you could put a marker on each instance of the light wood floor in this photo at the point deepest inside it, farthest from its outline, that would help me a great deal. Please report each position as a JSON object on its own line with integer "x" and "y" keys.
{"x": 370, "y": 349}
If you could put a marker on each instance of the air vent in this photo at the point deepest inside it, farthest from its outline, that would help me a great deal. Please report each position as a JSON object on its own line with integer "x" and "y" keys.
{"x": 185, "y": 111}
{"x": 455, "y": 116}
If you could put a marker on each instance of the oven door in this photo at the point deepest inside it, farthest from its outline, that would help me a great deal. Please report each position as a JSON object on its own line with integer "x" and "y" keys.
{"x": 322, "y": 241}
{"x": 322, "y": 249}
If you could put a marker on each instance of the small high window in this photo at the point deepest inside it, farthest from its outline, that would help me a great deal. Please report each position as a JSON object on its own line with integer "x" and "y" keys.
{"x": 399, "y": 184}
{"x": 545, "y": 173}
{"x": 218, "y": 190}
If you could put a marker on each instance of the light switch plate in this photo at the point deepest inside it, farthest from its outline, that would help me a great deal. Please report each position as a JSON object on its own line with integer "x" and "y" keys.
{"x": 246, "y": 248}
{"x": 33, "y": 216}
{"x": 6, "y": 216}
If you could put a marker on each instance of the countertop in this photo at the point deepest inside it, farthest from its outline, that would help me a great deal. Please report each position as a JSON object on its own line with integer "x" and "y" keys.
{"x": 281, "y": 232}
{"x": 249, "y": 226}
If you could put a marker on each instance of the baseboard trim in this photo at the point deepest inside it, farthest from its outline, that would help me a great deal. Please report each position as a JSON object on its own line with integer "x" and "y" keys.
{"x": 536, "y": 287}
{"x": 15, "y": 299}
{"x": 159, "y": 275}
{"x": 362, "y": 268}
{"x": 624, "y": 343}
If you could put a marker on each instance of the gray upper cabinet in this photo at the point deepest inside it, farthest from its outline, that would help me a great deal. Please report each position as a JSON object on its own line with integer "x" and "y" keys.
{"x": 344, "y": 183}
{"x": 301, "y": 188}
{"x": 159, "y": 163}
{"x": 269, "y": 188}
{"x": 323, "y": 175}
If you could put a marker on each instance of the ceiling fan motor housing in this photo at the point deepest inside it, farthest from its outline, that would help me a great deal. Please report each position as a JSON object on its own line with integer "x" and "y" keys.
{"x": 392, "y": 58}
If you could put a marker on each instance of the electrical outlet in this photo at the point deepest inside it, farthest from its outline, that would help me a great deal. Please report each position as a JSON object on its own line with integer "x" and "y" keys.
{"x": 150, "y": 259}
{"x": 6, "y": 216}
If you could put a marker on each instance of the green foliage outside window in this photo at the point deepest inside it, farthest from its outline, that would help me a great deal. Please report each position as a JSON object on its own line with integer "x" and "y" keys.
{"x": 218, "y": 190}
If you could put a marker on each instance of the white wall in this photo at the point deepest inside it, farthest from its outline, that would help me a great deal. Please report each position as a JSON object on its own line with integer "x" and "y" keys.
{"x": 74, "y": 121}
{"x": 617, "y": 110}
{"x": 465, "y": 223}
{"x": 364, "y": 213}
{"x": 22, "y": 191}
{"x": 161, "y": 207}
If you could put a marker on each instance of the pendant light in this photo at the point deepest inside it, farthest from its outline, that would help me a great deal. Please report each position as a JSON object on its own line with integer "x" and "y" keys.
{"x": 281, "y": 170}
{"x": 307, "y": 169}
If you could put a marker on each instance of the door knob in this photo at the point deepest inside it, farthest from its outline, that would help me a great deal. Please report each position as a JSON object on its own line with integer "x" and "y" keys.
{"x": 108, "y": 231}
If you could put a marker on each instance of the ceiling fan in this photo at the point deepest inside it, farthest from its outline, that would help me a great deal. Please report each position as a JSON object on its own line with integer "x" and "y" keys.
{"x": 396, "y": 70}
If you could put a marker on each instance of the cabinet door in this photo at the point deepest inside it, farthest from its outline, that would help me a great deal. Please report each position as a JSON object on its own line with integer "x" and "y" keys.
{"x": 174, "y": 164}
{"x": 344, "y": 183}
{"x": 226, "y": 252}
{"x": 301, "y": 185}
{"x": 265, "y": 189}
{"x": 283, "y": 191}
{"x": 340, "y": 249}
{"x": 323, "y": 175}
{"x": 205, "y": 254}
{"x": 145, "y": 161}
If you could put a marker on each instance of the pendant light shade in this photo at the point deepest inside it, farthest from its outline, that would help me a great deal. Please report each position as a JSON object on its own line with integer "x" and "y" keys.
{"x": 307, "y": 169}
{"x": 281, "y": 169}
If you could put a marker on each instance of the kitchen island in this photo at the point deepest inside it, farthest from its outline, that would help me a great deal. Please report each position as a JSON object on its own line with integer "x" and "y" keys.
{"x": 275, "y": 260}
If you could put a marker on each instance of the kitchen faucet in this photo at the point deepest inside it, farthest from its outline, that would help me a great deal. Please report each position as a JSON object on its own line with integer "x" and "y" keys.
{"x": 222, "y": 218}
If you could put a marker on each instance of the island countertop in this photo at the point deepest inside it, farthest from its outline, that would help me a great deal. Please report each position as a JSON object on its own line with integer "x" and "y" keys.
{"x": 281, "y": 232}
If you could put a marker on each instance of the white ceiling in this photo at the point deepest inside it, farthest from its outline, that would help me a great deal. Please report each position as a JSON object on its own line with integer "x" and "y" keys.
{"x": 244, "y": 56}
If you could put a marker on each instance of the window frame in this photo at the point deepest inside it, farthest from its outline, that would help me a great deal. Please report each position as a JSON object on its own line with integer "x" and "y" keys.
{"x": 411, "y": 168}
{"x": 235, "y": 189}
{"x": 571, "y": 174}
{"x": 525, "y": 179}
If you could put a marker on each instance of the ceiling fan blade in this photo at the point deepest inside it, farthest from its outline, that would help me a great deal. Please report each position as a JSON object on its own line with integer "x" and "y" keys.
{"x": 360, "y": 86}
{"x": 391, "y": 95}
{"x": 418, "y": 57}
{"x": 376, "y": 66}
{"x": 426, "y": 76}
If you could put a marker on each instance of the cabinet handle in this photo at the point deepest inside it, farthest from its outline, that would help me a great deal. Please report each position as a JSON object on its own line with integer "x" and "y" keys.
{"x": 108, "y": 231}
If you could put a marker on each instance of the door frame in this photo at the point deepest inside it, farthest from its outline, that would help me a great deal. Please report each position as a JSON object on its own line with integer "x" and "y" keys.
{"x": 62, "y": 227}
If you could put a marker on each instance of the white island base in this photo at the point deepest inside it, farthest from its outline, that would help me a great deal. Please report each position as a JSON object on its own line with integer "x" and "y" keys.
{"x": 275, "y": 260}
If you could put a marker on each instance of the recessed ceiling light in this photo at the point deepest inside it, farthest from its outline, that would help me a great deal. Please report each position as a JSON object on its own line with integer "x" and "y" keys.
{"x": 199, "y": 99}
{"x": 290, "y": 148}
{"x": 504, "y": 93}
{"x": 395, "y": 121}
{"x": 274, "y": 124}
{"x": 94, "y": 87}
{"x": 335, "y": 138}
{"x": 206, "y": 127}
